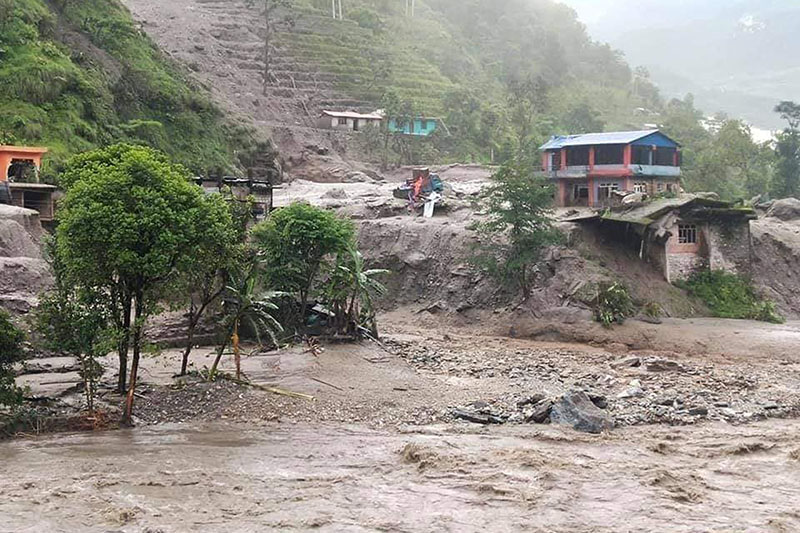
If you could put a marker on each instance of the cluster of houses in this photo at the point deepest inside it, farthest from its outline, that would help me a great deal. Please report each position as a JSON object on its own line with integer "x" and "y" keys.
{"x": 631, "y": 180}
{"x": 352, "y": 121}
{"x": 627, "y": 184}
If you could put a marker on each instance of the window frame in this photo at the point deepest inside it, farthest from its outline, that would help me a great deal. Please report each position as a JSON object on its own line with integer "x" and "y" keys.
{"x": 688, "y": 234}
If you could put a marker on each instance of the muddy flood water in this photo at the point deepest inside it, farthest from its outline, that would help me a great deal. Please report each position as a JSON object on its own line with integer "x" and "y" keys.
{"x": 170, "y": 478}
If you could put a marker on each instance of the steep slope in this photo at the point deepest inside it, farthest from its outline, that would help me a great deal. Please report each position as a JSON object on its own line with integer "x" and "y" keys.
{"x": 78, "y": 74}
{"x": 472, "y": 64}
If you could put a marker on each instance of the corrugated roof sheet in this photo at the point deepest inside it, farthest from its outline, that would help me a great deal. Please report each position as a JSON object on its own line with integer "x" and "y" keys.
{"x": 587, "y": 139}
{"x": 353, "y": 114}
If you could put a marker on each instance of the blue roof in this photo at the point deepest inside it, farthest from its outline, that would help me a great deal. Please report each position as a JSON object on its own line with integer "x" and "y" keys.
{"x": 589, "y": 139}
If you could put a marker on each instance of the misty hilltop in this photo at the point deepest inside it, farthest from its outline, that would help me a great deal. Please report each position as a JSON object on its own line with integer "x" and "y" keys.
{"x": 734, "y": 56}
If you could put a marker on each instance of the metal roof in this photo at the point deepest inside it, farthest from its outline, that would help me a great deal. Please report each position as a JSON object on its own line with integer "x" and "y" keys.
{"x": 587, "y": 139}
{"x": 353, "y": 114}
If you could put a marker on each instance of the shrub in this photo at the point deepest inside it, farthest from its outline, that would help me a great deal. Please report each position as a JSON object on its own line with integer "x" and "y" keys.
{"x": 613, "y": 304}
{"x": 652, "y": 310}
{"x": 731, "y": 296}
{"x": 10, "y": 352}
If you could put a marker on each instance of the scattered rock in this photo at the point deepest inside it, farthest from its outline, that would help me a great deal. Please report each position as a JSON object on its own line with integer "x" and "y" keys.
{"x": 541, "y": 413}
{"x": 662, "y": 365}
{"x": 336, "y": 194}
{"x": 530, "y": 400}
{"x": 577, "y": 410}
{"x": 477, "y": 418}
{"x": 786, "y": 209}
{"x": 634, "y": 390}
{"x": 698, "y": 411}
{"x": 599, "y": 400}
{"x": 627, "y": 362}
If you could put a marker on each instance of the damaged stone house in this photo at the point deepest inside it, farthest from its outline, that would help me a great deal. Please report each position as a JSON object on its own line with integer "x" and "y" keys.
{"x": 681, "y": 235}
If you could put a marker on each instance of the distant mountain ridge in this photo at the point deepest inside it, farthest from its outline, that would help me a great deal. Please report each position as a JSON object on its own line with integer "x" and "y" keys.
{"x": 737, "y": 56}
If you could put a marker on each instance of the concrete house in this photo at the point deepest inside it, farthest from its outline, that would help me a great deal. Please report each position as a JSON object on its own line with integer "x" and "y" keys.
{"x": 419, "y": 127}
{"x": 587, "y": 169}
{"x": 682, "y": 235}
{"x": 348, "y": 120}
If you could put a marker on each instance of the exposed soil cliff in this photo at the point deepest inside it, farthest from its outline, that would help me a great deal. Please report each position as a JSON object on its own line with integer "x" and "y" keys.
{"x": 23, "y": 272}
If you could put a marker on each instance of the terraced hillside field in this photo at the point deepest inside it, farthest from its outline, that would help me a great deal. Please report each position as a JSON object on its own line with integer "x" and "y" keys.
{"x": 317, "y": 62}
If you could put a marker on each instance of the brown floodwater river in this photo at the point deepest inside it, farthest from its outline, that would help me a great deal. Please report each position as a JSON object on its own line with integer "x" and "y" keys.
{"x": 278, "y": 477}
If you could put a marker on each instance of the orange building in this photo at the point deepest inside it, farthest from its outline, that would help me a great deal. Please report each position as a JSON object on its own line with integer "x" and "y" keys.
{"x": 13, "y": 157}
{"x": 14, "y": 161}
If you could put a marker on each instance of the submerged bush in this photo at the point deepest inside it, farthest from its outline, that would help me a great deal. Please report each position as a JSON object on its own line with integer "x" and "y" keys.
{"x": 613, "y": 304}
{"x": 731, "y": 296}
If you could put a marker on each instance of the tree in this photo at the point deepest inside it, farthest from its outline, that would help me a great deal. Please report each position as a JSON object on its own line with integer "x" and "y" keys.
{"x": 204, "y": 278}
{"x": 11, "y": 338}
{"x": 247, "y": 302}
{"x": 270, "y": 21}
{"x": 74, "y": 320}
{"x": 789, "y": 112}
{"x": 128, "y": 224}
{"x": 298, "y": 243}
{"x": 732, "y": 165}
{"x": 518, "y": 223}
{"x": 787, "y": 149}
{"x": 350, "y": 291}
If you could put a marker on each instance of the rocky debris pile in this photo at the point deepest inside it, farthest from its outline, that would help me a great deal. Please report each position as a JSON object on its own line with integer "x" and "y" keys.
{"x": 787, "y": 209}
{"x": 632, "y": 389}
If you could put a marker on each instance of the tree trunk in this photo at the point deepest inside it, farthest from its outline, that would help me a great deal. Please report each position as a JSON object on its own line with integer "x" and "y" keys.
{"x": 221, "y": 350}
{"x": 188, "y": 349}
{"x": 127, "y": 416}
{"x": 124, "y": 342}
{"x": 236, "y": 355}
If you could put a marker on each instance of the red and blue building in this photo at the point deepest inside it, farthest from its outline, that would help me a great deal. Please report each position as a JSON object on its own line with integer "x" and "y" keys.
{"x": 588, "y": 168}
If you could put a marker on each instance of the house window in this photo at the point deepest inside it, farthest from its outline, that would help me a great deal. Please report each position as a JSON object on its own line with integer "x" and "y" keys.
{"x": 660, "y": 187}
{"x": 687, "y": 234}
{"x": 605, "y": 190}
{"x": 642, "y": 155}
{"x": 640, "y": 186}
{"x": 613, "y": 154}
{"x": 578, "y": 156}
{"x": 665, "y": 157}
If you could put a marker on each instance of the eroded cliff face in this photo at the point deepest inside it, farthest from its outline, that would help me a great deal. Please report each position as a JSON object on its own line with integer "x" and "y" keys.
{"x": 776, "y": 262}
{"x": 23, "y": 271}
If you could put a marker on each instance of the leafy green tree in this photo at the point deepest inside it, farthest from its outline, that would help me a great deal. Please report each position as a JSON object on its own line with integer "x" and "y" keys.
{"x": 204, "y": 278}
{"x": 299, "y": 244}
{"x": 519, "y": 223}
{"x": 11, "y": 338}
{"x": 732, "y": 165}
{"x": 74, "y": 320}
{"x": 128, "y": 225}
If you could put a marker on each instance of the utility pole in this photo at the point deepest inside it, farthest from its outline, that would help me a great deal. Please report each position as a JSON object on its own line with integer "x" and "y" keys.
{"x": 413, "y": 5}
{"x": 333, "y": 8}
{"x": 341, "y": 16}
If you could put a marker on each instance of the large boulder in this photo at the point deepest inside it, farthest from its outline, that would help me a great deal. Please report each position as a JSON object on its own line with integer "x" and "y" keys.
{"x": 786, "y": 209}
{"x": 576, "y": 409}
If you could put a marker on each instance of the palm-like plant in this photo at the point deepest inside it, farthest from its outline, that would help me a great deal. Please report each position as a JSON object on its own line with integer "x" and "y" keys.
{"x": 247, "y": 303}
{"x": 351, "y": 289}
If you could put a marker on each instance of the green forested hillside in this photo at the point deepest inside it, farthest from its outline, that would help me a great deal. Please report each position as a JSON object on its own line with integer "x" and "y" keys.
{"x": 77, "y": 74}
